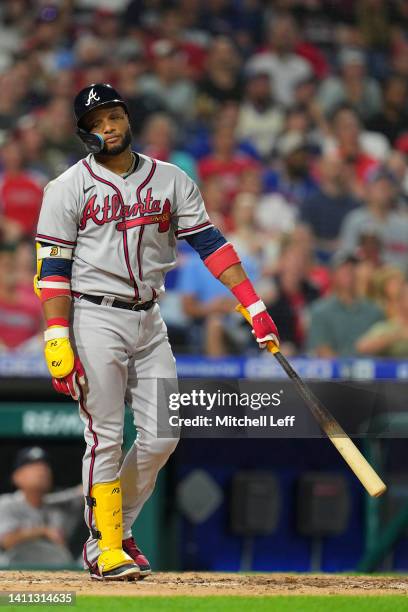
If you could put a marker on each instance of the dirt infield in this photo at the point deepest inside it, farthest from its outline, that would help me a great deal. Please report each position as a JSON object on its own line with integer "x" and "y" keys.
{"x": 190, "y": 583}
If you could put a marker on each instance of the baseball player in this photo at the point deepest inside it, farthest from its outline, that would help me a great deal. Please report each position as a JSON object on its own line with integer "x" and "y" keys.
{"x": 106, "y": 237}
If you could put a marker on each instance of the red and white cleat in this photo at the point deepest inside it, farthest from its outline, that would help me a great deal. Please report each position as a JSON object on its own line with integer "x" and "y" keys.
{"x": 131, "y": 548}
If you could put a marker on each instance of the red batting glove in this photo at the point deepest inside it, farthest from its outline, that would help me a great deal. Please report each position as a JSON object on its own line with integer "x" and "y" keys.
{"x": 70, "y": 385}
{"x": 264, "y": 329}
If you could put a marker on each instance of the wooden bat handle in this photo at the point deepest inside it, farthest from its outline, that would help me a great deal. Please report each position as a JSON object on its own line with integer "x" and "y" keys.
{"x": 346, "y": 447}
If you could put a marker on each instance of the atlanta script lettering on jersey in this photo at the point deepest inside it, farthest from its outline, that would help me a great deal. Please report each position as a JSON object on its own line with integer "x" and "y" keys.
{"x": 135, "y": 214}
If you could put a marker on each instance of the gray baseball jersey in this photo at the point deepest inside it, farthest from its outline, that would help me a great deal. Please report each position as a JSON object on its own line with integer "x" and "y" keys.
{"x": 123, "y": 229}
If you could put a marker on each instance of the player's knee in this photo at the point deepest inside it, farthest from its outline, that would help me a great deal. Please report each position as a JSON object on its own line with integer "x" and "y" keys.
{"x": 159, "y": 447}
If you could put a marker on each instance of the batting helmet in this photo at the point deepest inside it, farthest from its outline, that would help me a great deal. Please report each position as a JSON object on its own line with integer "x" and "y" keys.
{"x": 94, "y": 96}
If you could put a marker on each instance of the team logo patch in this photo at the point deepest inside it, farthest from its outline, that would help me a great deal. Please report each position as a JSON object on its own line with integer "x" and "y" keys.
{"x": 92, "y": 97}
{"x": 54, "y": 251}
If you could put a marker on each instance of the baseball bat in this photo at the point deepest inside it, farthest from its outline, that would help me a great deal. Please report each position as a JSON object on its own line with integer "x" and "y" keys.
{"x": 346, "y": 447}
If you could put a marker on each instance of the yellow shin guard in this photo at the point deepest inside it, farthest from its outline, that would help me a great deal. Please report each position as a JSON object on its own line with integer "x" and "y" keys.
{"x": 107, "y": 503}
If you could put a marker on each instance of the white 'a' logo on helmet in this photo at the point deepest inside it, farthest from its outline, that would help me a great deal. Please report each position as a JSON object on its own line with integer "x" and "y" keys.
{"x": 92, "y": 96}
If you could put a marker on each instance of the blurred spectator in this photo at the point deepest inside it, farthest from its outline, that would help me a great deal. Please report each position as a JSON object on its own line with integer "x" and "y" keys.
{"x": 280, "y": 60}
{"x": 350, "y": 143}
{"x": 174, "y": 27}
{"x": 338, "y": 321}
{"x": 291, "y": 178}
{"x": 212, "y": 190}
{"x": 370, "y": 260}
{"x": 260, "y": 119}
{"x": 20, "y": 310}
{"x": 168, "y": 83}
{"x": 62, "y": 146}
{"x": 389, "y": 338}
{"x": 292, "y": 293}
{"x": 106, "y": 27}
{"x": 20, "y": 190}
{"x": 246, "y": 237}
{"x": 158, "y": 139}
{"x": 35, "y": 524}
{"x": 14, "y": 22}
{"x": 379, "y": 214}
{"x": 226, "y": 162}
{"x": 32, "y": 141}
{"x": 397, "y": 165}
{"x": 88, "y": 51}
{"x": 352, "y": 86}
{"x": 208, "y": 304}
{"x": 374, "y": 23}
{"x": 132, "y": 64}
{"x": 392, "y": 118}
{"x": 385, "y": 289}
{"x": 221, "y": 79}
{"x": 10, "y": 101}
{"x": 324, "y": 211}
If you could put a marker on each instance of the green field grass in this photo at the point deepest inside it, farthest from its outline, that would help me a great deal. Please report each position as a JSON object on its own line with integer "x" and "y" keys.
{"x": 222, "y": 603}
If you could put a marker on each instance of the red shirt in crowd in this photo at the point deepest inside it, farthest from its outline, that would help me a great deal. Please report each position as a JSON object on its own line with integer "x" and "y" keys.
{"x": 229, "y": 171}
{"x": 20, "y": 199}
{"x": 20, "y": 319}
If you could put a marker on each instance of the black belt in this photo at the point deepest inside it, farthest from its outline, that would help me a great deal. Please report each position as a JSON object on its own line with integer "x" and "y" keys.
{"x": 99, "y": 299}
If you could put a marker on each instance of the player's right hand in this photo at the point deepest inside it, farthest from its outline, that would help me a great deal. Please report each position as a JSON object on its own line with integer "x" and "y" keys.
{"x": 65, "y": 368}
{"x": 264, "y": 329}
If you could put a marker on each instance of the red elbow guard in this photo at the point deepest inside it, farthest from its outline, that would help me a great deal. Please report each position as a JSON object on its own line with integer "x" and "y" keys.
{"x": 223, "y": 258}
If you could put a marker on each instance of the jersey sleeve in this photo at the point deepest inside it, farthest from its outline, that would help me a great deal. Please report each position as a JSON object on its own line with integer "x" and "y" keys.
{"x": 58, "y": 220}
{"x": 9, "y": 517}
{"x": 190, "y": 215}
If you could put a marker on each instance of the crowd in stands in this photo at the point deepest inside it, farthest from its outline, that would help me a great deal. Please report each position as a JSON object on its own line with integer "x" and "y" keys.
{"x": 292, "y": 116}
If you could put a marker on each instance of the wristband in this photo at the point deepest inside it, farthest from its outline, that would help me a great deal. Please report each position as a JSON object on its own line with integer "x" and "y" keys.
{"x": 58, "y": 321}
{"x": 53, "y": 333}
{"x": 245, "y": 293}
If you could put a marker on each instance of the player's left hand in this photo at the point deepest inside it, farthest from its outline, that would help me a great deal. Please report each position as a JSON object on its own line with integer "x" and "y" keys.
{"x": 65, "y": 367}
{"x": 264, "y": 329}
{"x": 71, "y": 384}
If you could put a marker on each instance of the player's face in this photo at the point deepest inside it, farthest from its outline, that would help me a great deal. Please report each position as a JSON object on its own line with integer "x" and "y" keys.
{"x": 113, "y": 124}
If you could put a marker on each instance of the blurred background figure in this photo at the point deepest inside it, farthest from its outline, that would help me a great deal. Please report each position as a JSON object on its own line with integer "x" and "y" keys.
{"x": 337, "y": 321}
{"x": 389, "y": 338}
{"x": 20, "y": 191}
{"x": 158, "y": 141}
{"x": 167, "y": 82}
{"x": 380, "y": 214}
{"x": 352, "y": 86}
{"x": 20, "y": 310}
{"x": 292, "y": 291}
{"x": 280, "y": 60}
{"x": 36, "y": 524}
{"x": 324, "y": 212}
{"x": 260, "y": 120}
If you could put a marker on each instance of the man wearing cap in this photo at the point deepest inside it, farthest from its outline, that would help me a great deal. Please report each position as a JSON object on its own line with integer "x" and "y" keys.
{"x": 35, "y": 523}
{"x": 293, "y": 180}
{"x": 381, "y": 215}
{"x": 338, "y": 321}
{"x": 352, "y": 86}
